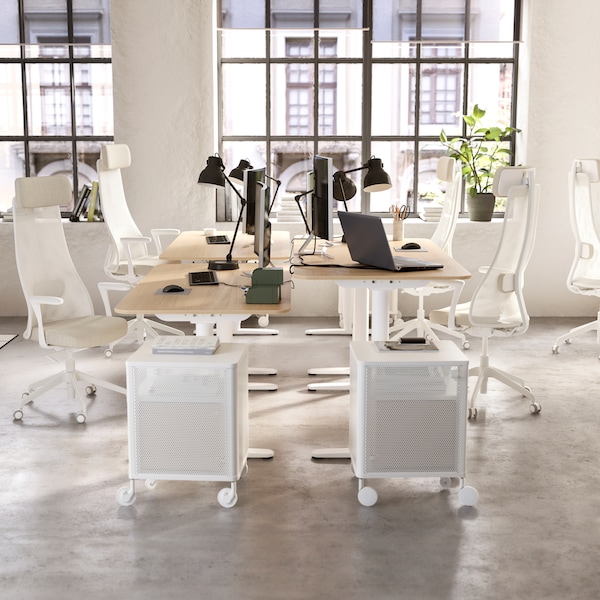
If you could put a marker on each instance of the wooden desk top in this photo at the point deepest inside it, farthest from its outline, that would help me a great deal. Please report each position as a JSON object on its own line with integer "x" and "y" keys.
{"x": 191, "y": 245}
{"x": 202, "y": 299}
{"x": 345, "y": 268}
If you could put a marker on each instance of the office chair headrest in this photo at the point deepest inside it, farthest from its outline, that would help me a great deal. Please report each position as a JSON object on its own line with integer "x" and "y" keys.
{"x": 507, "y": 177}
{"x": 36, "y": 192}
{"x": 589, "y": 166}
{"x": 115, "y": 156}
{"x": 445, "y": 168}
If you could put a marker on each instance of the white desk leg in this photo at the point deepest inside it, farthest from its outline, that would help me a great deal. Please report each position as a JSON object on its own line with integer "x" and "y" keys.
{"x": 346, "y": 299}
{"x": 379, "y": 315}
{"x": 255, "y": 330}
{"x": 360, "y": 333}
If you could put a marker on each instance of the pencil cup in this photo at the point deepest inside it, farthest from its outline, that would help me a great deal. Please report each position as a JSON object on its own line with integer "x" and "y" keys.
{"x": 398, "y": 230}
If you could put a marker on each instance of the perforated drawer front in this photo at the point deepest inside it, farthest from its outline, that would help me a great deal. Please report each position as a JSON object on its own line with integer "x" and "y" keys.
{"x": 188, "y": 416}
{"x": 407, "y": 411}
{"x": 412, "y": 419}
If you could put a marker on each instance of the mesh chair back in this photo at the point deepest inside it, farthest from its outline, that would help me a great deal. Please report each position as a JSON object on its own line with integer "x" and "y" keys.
{"x": 498, "y": 300}
{"x": 44, "y": 263}
{"x": 448, "y": 171}
{"x": 584, "y": 191}
{"x": 119, "y": 221}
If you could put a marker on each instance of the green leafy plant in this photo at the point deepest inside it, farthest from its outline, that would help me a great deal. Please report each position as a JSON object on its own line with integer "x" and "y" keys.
{"x": 481, "y": 152}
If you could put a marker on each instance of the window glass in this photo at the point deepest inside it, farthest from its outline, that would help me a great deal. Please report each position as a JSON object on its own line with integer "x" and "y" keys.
{"x": 244, "y": 99}
{"x": 11, "y": 167}
{"x": 11, "y": 104}
{"x": 9, "y": 22}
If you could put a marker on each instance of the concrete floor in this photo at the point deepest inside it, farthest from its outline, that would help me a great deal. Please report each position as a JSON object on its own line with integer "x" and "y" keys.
{"x": 298, "y": 530}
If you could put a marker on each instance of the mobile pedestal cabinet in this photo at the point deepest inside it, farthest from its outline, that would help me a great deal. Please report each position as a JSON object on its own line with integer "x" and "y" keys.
{"x": 408, "y": 415}
{"x": 187, "y": 418}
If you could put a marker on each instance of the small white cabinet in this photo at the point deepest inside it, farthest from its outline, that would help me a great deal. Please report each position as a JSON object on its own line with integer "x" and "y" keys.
{"x": 408, "y": 415}
{"x": 187, "y": 418}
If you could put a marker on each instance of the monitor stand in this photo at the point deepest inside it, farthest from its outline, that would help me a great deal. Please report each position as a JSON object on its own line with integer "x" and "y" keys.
{"x": 303, "y": 252}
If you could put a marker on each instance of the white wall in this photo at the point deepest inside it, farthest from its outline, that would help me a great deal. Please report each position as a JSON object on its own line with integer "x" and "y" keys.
{"x": 164, "y": 109}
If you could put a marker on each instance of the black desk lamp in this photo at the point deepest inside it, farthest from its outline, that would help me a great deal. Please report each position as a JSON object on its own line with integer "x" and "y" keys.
{"x": 213, "y": 175}
{"x": 238, "y": 175}
{"x": 297, "y": 199}
{"x": 376, "y": 180}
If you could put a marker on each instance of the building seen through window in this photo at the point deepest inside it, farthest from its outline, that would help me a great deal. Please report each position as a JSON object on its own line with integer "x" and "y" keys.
{"x": 351, "y": 79}
{"x": 55, "y": 90}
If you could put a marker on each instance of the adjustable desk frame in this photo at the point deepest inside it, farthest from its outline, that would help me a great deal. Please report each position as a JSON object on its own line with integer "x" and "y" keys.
{"x": 379, "y": 282}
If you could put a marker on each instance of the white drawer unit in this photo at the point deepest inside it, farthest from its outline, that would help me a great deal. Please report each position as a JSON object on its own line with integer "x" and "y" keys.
{"x": 187, "y": 418}
{"x": 408, "y": 415}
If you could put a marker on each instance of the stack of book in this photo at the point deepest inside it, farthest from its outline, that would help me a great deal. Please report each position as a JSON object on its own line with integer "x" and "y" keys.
{"x": 432, "y": 212}
{"x": 188, "y": 344}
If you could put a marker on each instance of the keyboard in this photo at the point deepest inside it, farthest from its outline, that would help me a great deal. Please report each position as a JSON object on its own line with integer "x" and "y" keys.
{"x": 217, "y": 239}
{"x": 203, "y": 278}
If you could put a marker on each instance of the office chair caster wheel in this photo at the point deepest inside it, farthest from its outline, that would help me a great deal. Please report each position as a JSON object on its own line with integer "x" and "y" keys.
{"x": 472, "y": 414}
{"x": 568, "y": 341}
{"x": 535, "y": 408}
{"x": 466, "y": 345}
{"x": 125, "y": 496}
{"x": 227, "y": 497}
{"x": 555, "y": 349}
{"x": 445, "y": 482}
{"x": 81, "y": 418}
{"x": 108, "y": 353}
{"x": 150, "y": 484}
{"x": 367, "y": 496}
{"x": 263, "y": 321}
{"x": 18, "y": 415}
{"x": 468, "y": 496}
{"x": 90, "y": 390}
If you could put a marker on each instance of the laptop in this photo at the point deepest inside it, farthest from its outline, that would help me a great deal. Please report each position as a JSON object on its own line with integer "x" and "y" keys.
{"x": 369, "y": 245}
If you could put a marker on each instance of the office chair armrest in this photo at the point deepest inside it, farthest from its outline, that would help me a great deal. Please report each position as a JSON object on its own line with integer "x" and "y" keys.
{"x": 128, "y": 242}
{"x": 158, "y": 233}
{"x": 110, "y": 286}
{"x": 36, "y": 305}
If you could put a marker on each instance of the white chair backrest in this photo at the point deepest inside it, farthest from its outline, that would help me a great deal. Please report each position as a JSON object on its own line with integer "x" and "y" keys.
{"x": 119, "y": 221}
{"x": 448, "y": 171}
{"x": 584, "y": 200}
{"x": 44, "y": 263}
{"x": 498, "y": 300}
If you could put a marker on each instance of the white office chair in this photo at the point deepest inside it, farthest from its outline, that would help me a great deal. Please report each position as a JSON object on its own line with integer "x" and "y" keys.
{"x": 497, "y": 307}
{"x": 128, "y": 258}
{"x": 60, "y": 310}
{"x": 448, "y": 171}
{"x": 584, "y": 276}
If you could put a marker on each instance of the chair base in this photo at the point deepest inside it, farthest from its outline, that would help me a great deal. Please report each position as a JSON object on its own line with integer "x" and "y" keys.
{"x": 72, "y": 377}
{"x": 485, "y": 372}
{"x": 566, "y": 338}
{"x": 144, "y": 329}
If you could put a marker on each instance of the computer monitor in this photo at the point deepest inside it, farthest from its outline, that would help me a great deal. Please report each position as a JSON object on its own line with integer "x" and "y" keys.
{"x": 319, "y": 204}
{"x": 251, "y": 178}
{"x": 262, "y": 225}
{"x": 322, "y": 198}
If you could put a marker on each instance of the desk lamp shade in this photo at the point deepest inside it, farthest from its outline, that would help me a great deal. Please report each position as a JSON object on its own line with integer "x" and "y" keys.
{"x": 238, "y": 172}
{"x": 214, "y": 172}
{"x": 376, "y": 179}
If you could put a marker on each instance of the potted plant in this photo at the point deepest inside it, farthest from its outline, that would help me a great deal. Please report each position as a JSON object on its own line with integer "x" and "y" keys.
{"x": 481, "y": 152}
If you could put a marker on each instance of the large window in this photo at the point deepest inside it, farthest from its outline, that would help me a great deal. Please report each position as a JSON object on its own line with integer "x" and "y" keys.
{"x": 55, "y": 90}
{"x": 353, "y": 79}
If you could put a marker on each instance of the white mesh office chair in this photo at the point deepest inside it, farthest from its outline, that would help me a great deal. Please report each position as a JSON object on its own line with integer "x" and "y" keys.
{"x": 448, "y": 171}
{"x": 60, "y": 310}
{"x": 128, "y": 258}
{"x": 584, "y": 276}
{"x": 497, "y": 308}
